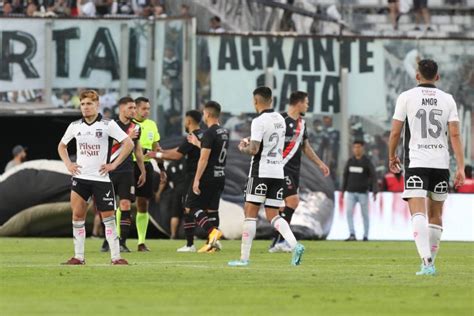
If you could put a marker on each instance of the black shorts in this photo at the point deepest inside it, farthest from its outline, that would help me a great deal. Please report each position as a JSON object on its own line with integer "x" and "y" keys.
{"x": 102, "y": 193}
{"x": 209, "y": 199}
{"x": 292, "y": 184}
{"x": 426, "y": 182}
{"x": 265, "y": 190}
{"x": 420, "y": 4}
{"x": 146, "y": 190}
{"x": 124, "y": 185}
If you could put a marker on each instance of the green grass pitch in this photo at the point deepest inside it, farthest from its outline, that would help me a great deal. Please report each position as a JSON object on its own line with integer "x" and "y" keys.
{"x": 336, "y": 278}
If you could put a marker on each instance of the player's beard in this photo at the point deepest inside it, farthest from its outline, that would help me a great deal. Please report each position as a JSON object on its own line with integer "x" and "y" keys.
{"x": 302, "y": 113}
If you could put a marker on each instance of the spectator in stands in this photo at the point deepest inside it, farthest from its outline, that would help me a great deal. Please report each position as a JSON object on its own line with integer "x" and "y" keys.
{"x": 31, "y": 9}
{"x": 61, "y": 8}
{"x": 159, "y": 11}
{"x": 124, "y": 7}
{"x": 468, "y": 186}
{"x": 359, "y": 177}
{"x": 17, "y": 7}
{"x": 394, "y": 8}
{"x": 108, "y": 114}
{"x": 393, "y": 182}
{"x": 86, "y": 8}
{"x": 421, "y": 11}
{"x": 215, "y": 25}
{"x": 287, "y": 24}
{"x": 171, "y": 66}
{"x": 185, "y": 11}
{"x": 19, "y": 156}
{"x": 7, "y": 8}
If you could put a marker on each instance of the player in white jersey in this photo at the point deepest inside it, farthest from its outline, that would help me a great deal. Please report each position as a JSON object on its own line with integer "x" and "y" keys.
{"x": 428, "y": 115}
{"x": 94, "y": 136}
{"x": 266, "y": 176}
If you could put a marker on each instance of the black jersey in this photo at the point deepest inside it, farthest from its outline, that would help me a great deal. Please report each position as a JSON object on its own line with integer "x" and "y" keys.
{"x": 191, "y": 152}
{"x": 127, "y": 164}
{"x": 294, "y": 138}
{"x": 216, "y": 138}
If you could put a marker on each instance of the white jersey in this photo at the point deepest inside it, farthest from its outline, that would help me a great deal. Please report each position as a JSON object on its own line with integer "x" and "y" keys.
{"x": 426, "y": 112}
{"x": 93, "y": 144}
{"x": 269, "y": 129}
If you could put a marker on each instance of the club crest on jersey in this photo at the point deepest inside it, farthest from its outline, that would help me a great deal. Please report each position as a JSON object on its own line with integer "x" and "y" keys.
{"x": 98, "y": 133}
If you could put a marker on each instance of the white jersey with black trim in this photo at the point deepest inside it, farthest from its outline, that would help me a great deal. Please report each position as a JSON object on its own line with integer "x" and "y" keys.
{"x": 269, "y": 129}
{"x": 426, "y": 112}
{"x": 93, "y": 144}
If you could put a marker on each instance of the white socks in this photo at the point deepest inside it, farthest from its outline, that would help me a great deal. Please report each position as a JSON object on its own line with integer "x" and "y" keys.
{"x": 421, "y": 236}
{"x": 284, "y": 229}
{"x": 112, "y": 237}
{"x": 79, "y": 233}
{"x": 248, "y": 234}
{"x": 435, "y": 232}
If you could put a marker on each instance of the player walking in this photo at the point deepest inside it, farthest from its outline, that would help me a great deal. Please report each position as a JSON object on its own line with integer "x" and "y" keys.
{"x": 296, "y": 142}
{"x": 266, "y": 176}
{"x": 428, "y": 115}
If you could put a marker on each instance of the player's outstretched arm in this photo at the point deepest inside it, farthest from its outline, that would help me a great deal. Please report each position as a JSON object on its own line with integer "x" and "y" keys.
{"x": 395, "y": 133}
{"x": 309, "y": 152}
{"x": 456, "y": 143}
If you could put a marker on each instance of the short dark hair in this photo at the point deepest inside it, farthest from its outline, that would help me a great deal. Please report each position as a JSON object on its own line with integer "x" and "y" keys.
{"x": 428, "y": 68}
{"x": 216, "y": 18}
{"x": 358, "y": 142}
{"x": 213, "y": 108}
{"x": 141, "y": 99}
{"x": 125, "y": 100}
{"x": 264, "y": 92}
{"x": 195, "y": 115}
{"x": 297, "y": 96}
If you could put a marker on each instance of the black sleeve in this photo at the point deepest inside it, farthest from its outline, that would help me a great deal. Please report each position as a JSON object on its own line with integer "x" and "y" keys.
{"x": 305, "y": 133}
{"x": 208, "y": 139}
{"x": 185, "y": 147}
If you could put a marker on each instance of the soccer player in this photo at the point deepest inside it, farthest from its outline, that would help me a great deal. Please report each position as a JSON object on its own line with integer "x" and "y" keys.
{"x": 149, "y": 139}
{"x": 296, "y": 142}
{"x": 208, "y": 184}
{"x": 123, "y": 177}
{"x": 91, "y": 172}
{"x": 428, "y": 115}
{"x": 191, "y": 153}
{"x": 266, "y": 176}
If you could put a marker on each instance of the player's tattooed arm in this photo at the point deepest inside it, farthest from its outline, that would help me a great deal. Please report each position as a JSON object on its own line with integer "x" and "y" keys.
{"x": 250, "y": 148}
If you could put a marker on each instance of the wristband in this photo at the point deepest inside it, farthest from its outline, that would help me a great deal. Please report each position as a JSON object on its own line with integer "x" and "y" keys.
{"x": 159, "y": 155}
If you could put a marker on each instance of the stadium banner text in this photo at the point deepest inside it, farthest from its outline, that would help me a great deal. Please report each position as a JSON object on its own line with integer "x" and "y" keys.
{"x": 84, "y": 53}
{"x": 238, "y": 64}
